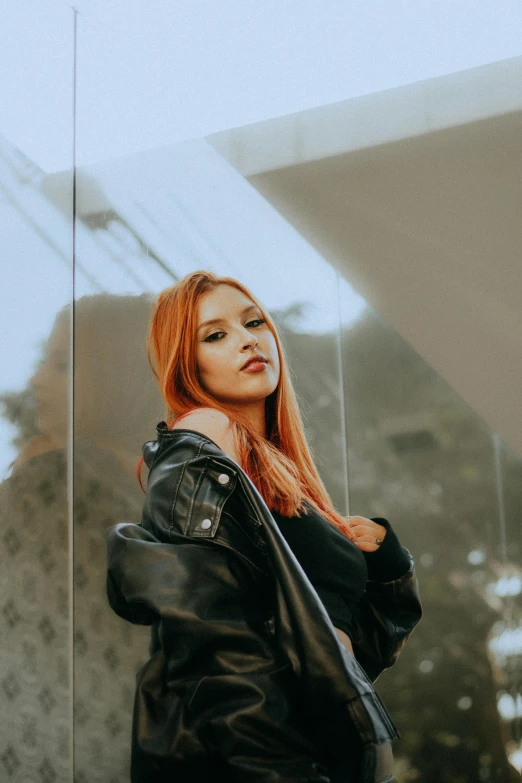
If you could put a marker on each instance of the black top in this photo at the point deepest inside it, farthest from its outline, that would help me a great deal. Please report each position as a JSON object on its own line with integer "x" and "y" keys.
{"x": 336, "y": 567}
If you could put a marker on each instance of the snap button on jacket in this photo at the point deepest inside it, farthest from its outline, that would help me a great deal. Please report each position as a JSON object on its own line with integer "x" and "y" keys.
{"x": 247, "y": 680}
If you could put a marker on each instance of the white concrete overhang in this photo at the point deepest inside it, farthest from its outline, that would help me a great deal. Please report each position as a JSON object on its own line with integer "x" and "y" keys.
{"x": 415, "y": 195}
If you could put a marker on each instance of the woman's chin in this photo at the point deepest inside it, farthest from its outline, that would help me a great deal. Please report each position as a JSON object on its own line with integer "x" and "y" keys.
{"x": 238, "y": 403}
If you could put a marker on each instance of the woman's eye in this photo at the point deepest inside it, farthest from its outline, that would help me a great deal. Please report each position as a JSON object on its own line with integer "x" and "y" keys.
{"x": 212, "y": 337}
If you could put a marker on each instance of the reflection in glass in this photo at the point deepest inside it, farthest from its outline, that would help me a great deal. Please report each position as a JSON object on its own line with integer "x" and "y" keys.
{"x": 504, "y": 587}
{"x": 421, "y": 458}
{"x": 35, "y": 731}
{"x": 416, "y": 454}
{"x": 35, "y": 609}
{"x": 116, "y": 409}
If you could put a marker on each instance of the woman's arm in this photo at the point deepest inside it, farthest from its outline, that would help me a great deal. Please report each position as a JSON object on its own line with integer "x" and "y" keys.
{"x": 383, "y": 620}
{"x": 390, "y": 608}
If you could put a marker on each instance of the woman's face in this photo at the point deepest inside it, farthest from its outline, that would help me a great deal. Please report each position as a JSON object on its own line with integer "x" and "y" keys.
{"x": 238, "y": 333}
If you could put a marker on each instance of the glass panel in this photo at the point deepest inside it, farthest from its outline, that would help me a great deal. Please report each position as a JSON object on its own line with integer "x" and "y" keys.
{"x": 35, "y": 299}
{"x": 420, "y": 457}
{"x": 416, "y": 453}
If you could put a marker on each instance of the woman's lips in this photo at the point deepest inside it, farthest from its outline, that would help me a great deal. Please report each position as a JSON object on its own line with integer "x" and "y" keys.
{"x": 255, "y": 367}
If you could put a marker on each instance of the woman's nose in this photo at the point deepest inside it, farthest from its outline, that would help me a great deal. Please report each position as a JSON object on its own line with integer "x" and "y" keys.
{"x": 252, "y": 342}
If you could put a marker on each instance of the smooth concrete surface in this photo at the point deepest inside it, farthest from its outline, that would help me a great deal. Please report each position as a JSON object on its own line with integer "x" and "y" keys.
{"x": 367, "y": 121}
{"x": 421, "y": 212}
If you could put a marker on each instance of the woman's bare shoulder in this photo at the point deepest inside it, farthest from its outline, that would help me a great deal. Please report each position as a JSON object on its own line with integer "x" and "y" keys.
{"x": 213, "y": 424}
{"x": 206, "y": 417}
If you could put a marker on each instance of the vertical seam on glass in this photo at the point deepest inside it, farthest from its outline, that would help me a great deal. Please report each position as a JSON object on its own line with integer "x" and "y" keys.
{"x": 500, "y": 496}
{"x": 70, "y": 459}
{"x": 341, "y": 396}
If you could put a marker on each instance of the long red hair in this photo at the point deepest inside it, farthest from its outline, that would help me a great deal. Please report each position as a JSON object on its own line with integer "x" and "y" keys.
{"x": 281, "y": 465}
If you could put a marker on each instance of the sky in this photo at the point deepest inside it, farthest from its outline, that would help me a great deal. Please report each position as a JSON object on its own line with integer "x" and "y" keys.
{"x": 154, "y": 73}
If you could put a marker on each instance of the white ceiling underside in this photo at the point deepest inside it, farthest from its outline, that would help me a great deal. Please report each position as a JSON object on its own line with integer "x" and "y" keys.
{"x": 415, "y": 195}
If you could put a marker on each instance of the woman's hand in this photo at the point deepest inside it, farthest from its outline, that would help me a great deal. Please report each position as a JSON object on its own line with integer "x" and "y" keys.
{"x": 368, "y": 535}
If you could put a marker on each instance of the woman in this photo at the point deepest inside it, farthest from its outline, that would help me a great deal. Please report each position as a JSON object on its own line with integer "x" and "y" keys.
{"x": 247, "y": 679}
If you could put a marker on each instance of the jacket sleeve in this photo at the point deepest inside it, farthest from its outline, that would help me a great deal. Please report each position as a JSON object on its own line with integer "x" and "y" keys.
{"x": 383, "y": 620}
{"x": 214, "y": 686}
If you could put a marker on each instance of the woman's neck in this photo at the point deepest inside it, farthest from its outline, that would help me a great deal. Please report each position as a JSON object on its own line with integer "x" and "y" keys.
{"x": 254, "y": 413}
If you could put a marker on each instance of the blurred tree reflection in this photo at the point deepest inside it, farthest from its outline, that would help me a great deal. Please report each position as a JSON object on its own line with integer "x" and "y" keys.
{"x": 116, "y": 407}
{"x": 421, "y": 458}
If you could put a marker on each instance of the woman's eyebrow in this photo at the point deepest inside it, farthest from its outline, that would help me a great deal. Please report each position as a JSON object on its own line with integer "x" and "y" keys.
{"x": 220, "y": 320}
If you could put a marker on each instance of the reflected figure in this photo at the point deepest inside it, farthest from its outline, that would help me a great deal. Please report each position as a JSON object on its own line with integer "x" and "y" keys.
{"x": 115, "y": 408}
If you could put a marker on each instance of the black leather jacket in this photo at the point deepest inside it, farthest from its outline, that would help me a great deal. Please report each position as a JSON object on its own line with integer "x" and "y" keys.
{"x": 247, "y": 675}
